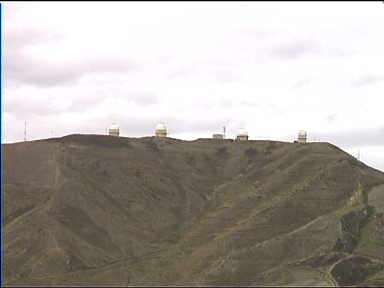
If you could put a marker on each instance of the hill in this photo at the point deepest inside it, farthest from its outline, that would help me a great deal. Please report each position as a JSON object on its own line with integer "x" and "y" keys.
{"x": 96, "y": 209}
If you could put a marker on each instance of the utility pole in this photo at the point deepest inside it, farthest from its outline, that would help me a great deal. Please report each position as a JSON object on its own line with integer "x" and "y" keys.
{"x": 224, "y": 132}
{"x": 25, "y": 130}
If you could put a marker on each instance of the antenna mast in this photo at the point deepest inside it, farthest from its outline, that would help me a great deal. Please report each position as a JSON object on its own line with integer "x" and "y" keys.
{"x": 224, "y": 132}
{"x": 25, "y": 130}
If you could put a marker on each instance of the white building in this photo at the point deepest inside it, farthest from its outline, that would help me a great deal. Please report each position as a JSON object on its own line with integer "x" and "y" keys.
{"x": 114, "y": 130}
{"x": 161, "y": 130}
{"x": 218, "y": 136}
{"x": 242, "y": 136}
{"x": 302, "y": 137}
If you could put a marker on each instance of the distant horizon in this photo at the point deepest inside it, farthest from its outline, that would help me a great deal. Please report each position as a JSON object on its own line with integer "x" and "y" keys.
{"x": 191, "y": 140}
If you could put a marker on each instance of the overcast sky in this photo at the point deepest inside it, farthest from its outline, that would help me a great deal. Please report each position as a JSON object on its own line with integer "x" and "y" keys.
{"x": 271, "y": 68}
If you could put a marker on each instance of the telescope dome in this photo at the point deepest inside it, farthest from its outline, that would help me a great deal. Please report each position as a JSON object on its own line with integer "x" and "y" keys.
{"x": 303, "y": 133}
{"x": 114, "y": 126}
{"x": 161, "y": 126}
{"x": 243, "y": 132}
{"x": 161, "y": 130}
{"x": 114, "y": 130}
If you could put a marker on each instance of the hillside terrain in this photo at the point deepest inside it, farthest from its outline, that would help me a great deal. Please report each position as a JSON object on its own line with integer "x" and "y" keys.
{"x": 103, "y": 210}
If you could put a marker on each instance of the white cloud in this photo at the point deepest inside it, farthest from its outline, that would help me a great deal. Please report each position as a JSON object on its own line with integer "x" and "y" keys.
{"x": 273, "y": 68}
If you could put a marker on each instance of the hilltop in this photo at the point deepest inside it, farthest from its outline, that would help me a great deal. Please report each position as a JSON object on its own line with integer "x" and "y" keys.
{"x": 96, "y": 209}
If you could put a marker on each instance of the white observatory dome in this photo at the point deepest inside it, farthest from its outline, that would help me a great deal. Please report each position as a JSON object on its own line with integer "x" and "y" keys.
{"x": 243, "y": 132}
{"x": 161, "y": 126}
{"x": 302, "y": 138}
{"x": 114, "y": 126}
{"x": 302, "y": 133}
{"x": 161, "y": 130}
{"x": 114, "y": 130}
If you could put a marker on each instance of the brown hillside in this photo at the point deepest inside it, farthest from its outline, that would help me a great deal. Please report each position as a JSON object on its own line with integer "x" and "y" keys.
{"x": 95, "y": 209}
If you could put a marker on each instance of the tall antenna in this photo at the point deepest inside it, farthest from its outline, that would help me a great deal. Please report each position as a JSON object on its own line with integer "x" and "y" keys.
{"x": 224, "y": 132}
{"x": 25, "y": 130}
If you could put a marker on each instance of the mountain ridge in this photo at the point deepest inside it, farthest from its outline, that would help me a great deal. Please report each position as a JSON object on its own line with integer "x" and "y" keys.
{"x": 146, "y": 211}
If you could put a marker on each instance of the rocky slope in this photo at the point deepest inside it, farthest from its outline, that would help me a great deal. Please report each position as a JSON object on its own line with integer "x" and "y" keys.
{"x": 95, "y": 209}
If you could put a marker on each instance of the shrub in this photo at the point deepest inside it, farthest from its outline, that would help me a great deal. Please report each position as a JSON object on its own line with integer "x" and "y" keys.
{"x": 152, "y": 146}
{"x": 221, "y": 152}
{"x": 251, "y": 152}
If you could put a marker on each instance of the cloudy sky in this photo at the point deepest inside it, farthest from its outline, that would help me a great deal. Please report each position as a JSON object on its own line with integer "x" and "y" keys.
{"x": 272, "y": 68}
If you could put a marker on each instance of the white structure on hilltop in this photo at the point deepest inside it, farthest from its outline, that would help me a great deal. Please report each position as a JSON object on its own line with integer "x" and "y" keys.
{"x": 161, "y": 130}
{"x": 218, "y": 136}
{"x": 242, "y": 136}
{"x": 302, "y": 137}
{"x": 114, "y": 130}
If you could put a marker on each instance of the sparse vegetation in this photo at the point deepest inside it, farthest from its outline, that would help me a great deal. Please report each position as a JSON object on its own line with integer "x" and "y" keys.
{"x": 190, "y": 159}
{"x": 222, "y": 152}
{"x": 269, "y": 148}
{"x": 83, "y": 211}
{"x": 251, "y": 152}
{"x": 152, "y": 145}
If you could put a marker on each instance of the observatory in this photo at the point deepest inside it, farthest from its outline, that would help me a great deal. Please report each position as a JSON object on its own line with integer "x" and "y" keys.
{"x": 218, "y": 136}
{"x": 242, "y": 136}
{"x": 161, "y": 130}
{"x": 302, "y": 137}
{"x": 114, "y": 130}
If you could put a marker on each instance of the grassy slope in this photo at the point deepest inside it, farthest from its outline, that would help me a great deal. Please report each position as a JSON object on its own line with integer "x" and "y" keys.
{"x": 92, "y": 209}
